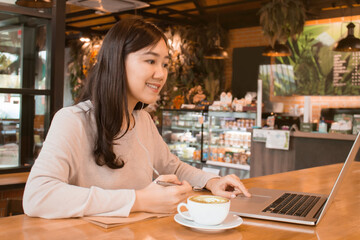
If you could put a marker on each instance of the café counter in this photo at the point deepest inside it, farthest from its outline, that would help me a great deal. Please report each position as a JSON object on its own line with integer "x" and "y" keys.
{"x": 341, "y": 221}
{"x": 306, "y": 150}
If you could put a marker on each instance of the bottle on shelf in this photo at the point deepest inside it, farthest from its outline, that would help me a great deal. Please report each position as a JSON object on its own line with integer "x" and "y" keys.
{"x": 322, "y": 126}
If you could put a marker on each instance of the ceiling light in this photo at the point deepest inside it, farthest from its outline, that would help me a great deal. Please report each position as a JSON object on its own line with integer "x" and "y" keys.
{"x": 216, "y": 52}
{"x": 279, "y": 50}
{"x": 84, "y": 39}
{"x": 350, "y": 43}
{"x": 34, "y": 3}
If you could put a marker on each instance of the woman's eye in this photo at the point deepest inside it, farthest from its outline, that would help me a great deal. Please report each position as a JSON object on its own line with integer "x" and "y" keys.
{"x": 151, "y": 61}
{"x": 165, "y": 65}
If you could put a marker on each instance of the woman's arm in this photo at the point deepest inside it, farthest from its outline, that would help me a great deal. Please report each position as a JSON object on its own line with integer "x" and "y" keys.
{"x": 50, "y": 191}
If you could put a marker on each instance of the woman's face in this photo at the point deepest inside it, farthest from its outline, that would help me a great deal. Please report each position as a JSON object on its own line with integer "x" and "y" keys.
{"x": 146, "y": 72}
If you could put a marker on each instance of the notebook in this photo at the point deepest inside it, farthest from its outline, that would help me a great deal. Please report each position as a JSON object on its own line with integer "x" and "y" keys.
{"x": 289, "y": 206}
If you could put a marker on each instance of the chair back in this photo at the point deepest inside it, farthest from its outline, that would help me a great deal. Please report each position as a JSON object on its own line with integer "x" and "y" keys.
{"x": 13, "y": 207}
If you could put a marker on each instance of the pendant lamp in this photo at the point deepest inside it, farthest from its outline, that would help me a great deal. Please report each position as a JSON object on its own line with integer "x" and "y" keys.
{"x": 34, "y": 3}
{"x": 279, "y": 50}
{"x": 350, "y": 43}
{"x": 217, "y": 52}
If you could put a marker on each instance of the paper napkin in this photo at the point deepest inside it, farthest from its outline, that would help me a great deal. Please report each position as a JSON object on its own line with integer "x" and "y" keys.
{"x": 109, "y": 222}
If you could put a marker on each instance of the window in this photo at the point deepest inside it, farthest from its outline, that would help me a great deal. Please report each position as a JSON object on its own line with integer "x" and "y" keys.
{"x": 24, "y": 88}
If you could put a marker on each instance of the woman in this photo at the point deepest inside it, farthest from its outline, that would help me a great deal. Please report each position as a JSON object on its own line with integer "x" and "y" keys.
{"x": 100, "y": 156}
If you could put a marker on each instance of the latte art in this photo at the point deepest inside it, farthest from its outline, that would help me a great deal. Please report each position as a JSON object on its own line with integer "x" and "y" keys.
{"x": 209, "y": 199}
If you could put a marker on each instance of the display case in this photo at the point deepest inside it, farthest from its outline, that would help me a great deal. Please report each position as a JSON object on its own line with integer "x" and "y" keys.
{"x": 208, "y": 139}
{"x": 183, "y": 131}
{"x": 229, "y": 139}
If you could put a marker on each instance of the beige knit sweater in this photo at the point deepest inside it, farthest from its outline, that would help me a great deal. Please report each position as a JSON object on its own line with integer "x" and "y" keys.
{"x": 66, "y": 182}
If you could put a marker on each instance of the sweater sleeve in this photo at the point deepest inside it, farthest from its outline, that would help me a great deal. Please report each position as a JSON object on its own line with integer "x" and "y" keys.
{"x": 168, "y": 163}
{"x": 51, "y": 192}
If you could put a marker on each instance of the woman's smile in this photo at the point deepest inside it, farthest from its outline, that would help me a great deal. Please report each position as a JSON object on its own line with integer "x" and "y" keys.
{"x": 154, "y": 87}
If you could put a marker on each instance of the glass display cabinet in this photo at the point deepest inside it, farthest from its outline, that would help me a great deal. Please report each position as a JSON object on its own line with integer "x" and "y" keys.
{"x": 183, "y": 131}
{"x": 209, "y": 139}
{"x": 229, "y": 137}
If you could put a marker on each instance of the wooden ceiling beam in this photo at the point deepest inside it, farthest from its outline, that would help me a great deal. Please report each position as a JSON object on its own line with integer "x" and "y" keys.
{"x": 80, "y": 13}
{"x": 86, "y": 30}
{"x": 337, "y": 13}
{"x": 221, "y": 5}
{"x": 170, "y": 11}
{"x": 90, "y": 27}
{"x": 93, "y": 18}
{"x": 168, "y": 19}
{"x": 154, "y": 6}
{"x": 200, "y": 4}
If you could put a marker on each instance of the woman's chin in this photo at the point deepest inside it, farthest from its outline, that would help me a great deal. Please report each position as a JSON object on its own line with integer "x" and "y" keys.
{"x": 149, "y": 101}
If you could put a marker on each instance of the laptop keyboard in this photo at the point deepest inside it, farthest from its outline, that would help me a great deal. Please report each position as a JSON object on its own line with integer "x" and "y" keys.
{"x": 292, "y": 204}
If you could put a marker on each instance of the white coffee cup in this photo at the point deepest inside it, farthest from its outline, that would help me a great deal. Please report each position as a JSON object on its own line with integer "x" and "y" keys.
{"x": 206, "y": 209}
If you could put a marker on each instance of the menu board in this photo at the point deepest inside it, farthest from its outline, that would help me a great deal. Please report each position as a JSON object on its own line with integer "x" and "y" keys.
{"x": 355, "y": 76}
{"x": 339, "y": 70}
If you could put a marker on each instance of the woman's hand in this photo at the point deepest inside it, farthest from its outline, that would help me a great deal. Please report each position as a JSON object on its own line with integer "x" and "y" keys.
{"x": 229, "y": 186}
{"x": 160, "y": 199}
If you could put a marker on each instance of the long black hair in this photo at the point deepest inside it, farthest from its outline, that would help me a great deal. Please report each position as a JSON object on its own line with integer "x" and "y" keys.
{"x": 106, "y": 86}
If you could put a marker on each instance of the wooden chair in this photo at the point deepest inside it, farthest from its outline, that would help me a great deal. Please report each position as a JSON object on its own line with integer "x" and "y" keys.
{"x": 13, "y": 207}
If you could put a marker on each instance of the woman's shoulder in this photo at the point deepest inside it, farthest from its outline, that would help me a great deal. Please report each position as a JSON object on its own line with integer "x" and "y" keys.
{"x": 74, "y": 114}
{"x": 142, "y": 115}
{"x": 78, "y": 109}
{"x": 144, "y": 120}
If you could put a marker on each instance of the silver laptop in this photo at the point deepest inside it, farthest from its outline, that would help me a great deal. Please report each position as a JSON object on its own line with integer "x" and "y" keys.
{"x": 289, "y": 206}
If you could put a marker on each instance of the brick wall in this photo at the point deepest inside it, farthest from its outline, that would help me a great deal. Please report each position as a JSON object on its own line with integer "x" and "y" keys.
{"x": 252, "y": 37}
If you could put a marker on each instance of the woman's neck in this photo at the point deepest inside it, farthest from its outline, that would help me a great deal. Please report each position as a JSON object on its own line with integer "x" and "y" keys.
{"x": 131, "y": 123}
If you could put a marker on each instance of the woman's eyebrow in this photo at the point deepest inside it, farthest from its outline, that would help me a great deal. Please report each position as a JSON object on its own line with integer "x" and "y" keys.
{"x": 155, "y": 54}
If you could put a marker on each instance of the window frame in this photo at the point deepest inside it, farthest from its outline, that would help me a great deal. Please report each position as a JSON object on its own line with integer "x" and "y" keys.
{"x": 55, "y": 47}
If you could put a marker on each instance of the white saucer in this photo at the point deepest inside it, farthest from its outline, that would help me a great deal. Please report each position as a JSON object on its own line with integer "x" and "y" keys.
{"x": 231, "y": 221}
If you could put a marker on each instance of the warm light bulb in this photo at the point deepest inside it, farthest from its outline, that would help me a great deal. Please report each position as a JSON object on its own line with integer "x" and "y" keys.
{"x": 83, "y": 39}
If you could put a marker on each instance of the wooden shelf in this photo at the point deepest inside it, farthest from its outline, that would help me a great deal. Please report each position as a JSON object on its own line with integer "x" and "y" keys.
{"x": 229, "y": 165}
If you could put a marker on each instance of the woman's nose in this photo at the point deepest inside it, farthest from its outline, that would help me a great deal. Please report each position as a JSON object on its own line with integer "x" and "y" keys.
{"x": 160, "y": 72}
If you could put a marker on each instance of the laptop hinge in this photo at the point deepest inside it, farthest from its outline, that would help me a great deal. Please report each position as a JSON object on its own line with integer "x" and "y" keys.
{"x": 317, "y": 214}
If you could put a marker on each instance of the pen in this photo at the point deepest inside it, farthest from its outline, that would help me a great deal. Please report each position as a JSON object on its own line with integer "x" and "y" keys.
{"x": 166, "y": 184}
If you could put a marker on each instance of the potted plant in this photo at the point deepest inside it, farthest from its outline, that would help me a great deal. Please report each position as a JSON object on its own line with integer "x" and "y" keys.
{"x": 281, "y": 19}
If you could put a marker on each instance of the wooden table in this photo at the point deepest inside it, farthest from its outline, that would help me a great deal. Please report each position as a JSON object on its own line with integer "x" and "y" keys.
{"x": 340, "y": 222}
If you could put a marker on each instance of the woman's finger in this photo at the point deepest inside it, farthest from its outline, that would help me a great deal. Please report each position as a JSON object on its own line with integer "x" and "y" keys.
{"x": 236, "y": 183}
{"x": 185, "y": 187}
{"x": 230, "y": 186}
{"x": 171, "y": 178}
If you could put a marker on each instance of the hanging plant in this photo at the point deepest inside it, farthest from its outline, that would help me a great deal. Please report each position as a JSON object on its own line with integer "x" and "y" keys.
{"x": 281, "y": 19}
